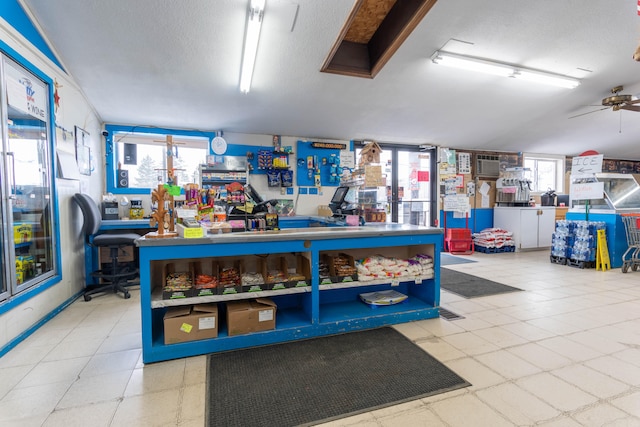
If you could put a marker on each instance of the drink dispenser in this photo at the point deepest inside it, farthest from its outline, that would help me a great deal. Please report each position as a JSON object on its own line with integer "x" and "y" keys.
{"x": 513, "y": 189}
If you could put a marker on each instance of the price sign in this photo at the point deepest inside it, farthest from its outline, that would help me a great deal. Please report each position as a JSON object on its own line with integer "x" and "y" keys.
{"x": 589, "y": 190}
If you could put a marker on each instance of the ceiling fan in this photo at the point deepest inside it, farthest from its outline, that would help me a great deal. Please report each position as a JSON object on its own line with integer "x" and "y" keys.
{"x": 616, "y": 102}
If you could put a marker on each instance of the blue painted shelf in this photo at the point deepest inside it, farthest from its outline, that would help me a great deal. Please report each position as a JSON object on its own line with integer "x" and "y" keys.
{"x": 302, "y": 313}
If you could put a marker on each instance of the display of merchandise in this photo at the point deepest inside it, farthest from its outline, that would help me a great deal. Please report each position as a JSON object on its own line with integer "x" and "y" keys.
{"x": 252, "y": 278}
{"x": 229, "y": 277}
{"x": 378, "y": 267}
{"x": 342, "y": 267}
{"x": 178, "y": 282}
{"x": 575, "y": 241}
{"x": 493, "y": 238}
{"x": 205, "y": 281}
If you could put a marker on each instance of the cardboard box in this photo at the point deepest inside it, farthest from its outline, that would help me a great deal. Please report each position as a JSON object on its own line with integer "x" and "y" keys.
{"x": 125, "y": 254}
{"x": 274, "y": 264}
{"x": 302, "y": 268}
{"x": 190, "y": 323}
{"x": 22, "y": 233}
{"x": 248, "y": 316}
{"x": 335, "y": 271}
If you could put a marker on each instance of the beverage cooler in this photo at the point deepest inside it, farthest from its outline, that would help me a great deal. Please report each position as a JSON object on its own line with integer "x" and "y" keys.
{"x": 28, "y": 248}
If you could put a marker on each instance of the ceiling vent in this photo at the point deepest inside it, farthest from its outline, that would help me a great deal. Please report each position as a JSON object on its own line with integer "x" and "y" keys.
{"x": 487, "y": 166}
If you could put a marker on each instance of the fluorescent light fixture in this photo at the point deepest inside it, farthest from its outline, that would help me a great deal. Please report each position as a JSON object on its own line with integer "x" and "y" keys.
{"x": 472, "y": 64}
{"x": 547, "y": 78}
{"x": 501, "y": 69}
{"x": 251, "y": 39}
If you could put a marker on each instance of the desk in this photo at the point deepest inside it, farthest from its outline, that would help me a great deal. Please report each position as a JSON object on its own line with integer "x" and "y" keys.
{"x": 91, "y": 255}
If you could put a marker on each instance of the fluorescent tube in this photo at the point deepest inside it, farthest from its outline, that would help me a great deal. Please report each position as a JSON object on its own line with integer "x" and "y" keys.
{"x": 251, "y": 39}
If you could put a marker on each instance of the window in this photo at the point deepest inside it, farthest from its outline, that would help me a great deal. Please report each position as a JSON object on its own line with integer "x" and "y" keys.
{"x": 142, "y": 153}
{"x": 546, "y": 172}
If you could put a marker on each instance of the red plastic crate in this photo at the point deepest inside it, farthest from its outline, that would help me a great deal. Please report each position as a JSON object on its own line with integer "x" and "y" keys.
{"x": 458, "y": 233}
{"x": 458, "y": 241}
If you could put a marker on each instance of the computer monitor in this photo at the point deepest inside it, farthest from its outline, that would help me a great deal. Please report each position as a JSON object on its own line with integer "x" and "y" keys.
{"x": 339, "y": 195}
{"x": 253, "y": 194}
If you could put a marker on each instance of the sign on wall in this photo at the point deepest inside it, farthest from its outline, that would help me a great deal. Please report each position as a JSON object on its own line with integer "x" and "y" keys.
{"x": 586, "y": 165}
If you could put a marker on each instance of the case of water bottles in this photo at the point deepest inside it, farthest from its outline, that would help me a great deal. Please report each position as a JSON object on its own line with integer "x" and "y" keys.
{"x": 574, "y": 242}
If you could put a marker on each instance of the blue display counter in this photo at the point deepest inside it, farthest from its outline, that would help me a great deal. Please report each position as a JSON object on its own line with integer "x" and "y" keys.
{"x": 616, "y": 234}
{"x": 303, "y": 312}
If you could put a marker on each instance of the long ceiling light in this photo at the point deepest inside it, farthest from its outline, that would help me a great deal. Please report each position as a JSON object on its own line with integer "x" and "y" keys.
{"x": 501, "y": 69}
{"x": 251, "y": 39}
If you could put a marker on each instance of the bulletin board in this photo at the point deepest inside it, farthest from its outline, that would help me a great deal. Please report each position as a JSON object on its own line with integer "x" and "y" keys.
{"x": 320, "y": 157}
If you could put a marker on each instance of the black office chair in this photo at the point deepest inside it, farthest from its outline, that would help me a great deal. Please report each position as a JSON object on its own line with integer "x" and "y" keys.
{"x": 117, "y": 275}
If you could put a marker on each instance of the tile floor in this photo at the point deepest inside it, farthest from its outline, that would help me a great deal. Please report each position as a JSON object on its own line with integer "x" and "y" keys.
{"x": 565, "y": 352}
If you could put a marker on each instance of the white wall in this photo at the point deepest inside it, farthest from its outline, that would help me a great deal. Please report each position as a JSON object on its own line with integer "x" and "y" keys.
{"x": 73, "y": 111}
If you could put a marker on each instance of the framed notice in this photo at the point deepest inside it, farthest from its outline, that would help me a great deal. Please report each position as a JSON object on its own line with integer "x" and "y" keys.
{"x": 83, "y": 157}
{"x": 83, "y": 151}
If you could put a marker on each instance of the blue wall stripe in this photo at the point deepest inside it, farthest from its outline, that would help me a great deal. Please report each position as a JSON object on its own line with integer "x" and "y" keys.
{"x": 12, "y": 12}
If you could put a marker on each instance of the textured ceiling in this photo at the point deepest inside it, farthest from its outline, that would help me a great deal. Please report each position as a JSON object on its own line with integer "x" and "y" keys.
{"x": 176, "y": 64}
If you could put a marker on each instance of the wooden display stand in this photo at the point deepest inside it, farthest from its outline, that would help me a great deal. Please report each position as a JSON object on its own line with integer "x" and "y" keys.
{"x": 163, "y": 219}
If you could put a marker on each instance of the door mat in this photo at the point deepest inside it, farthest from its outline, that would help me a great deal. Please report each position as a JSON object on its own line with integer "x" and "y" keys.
{"x": 317, "y": 380}
{"x": 469, "y": 286}
{"x": 448, "y": 259}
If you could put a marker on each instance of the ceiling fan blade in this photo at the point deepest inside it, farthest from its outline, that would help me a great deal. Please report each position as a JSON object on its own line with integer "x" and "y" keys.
{"x": 589, "y": 112}
{"x": 630, "y": 107}
{"x": 633, "y": 101}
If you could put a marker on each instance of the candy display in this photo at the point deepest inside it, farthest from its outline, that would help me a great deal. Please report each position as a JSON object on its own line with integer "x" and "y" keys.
{"x": 296, "y": 277}
{"x": 229, "y": 276}
{"x": 274, "y": 276}
{"x": 343, "y": 267}
{"x": 178, "y": 282}
{"x": 379, "y": 267}
{"x": 205, "y": 281}
{"x": 252, "y": 278}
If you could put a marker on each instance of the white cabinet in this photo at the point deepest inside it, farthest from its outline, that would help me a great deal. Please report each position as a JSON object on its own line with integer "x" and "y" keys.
{"x": 532, "y": 227}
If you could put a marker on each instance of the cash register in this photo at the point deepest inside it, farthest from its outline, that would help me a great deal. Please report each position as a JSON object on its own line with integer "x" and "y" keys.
{"x": 343, "y": 203}
{"x": 262, "y": 214}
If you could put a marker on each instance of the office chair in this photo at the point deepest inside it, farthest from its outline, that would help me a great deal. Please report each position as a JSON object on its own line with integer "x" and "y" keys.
{"x": 114, "y": 277}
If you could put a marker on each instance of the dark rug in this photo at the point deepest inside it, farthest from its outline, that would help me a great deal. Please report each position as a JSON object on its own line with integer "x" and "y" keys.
{"x": 317, "y": 380}
{"x": 469, "y": 286}
{"x": 448, "y": 259}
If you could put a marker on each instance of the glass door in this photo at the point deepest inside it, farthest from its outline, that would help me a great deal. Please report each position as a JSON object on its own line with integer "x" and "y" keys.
{"x": 414, "y": 194}
{"x": 410, "y": 183}
{"x": 26, "y": 179}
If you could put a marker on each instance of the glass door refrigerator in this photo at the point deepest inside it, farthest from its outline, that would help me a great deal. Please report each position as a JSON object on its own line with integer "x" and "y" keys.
{"x": 28, "y": 246}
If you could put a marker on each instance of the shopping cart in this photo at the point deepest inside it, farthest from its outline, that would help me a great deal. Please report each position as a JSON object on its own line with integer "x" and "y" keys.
{"x": 632, "y": 227}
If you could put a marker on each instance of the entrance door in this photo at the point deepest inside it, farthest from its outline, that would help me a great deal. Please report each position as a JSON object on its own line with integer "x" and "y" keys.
{"x": 410, "y": 184}
{"x": 414, "y": 188}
